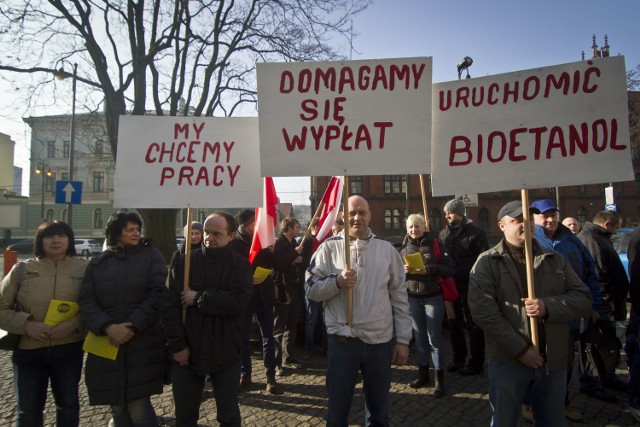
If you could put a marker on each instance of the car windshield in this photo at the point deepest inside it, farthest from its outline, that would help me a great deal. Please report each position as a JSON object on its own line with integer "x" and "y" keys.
{"x": 620, "y": 240}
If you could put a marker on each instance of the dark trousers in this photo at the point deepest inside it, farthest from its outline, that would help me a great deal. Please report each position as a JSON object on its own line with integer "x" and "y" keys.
{"x": 457, "y": 326}
{"x": 286, "y": 324}
{"x": 32, "y": 371}
{"x": 265, "y": 321}
{"x": 188, "y": 386}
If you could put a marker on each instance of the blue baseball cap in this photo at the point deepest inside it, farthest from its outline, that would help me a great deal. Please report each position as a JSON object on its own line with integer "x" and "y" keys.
{"x": 545, "y": 205}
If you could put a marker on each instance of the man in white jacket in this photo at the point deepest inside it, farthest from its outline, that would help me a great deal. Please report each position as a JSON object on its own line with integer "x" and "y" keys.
{"x": 380, "y": 330}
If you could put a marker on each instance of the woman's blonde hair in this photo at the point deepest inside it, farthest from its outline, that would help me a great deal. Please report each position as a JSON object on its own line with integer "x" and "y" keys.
{"x": 416, "y": 218}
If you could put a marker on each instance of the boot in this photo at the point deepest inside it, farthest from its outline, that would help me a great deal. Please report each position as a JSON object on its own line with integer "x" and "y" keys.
{"x": 272, "y": 385}
{"x": 423, "y": 377}
{"x": 440, "y": 390}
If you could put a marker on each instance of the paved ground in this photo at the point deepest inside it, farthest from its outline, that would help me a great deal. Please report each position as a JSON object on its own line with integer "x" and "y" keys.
{"x": 304, "y": 401}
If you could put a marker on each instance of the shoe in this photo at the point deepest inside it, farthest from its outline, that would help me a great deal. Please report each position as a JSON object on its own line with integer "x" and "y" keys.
{"x": 635, "y": 412}
{"x": 208, "y": 384}
{"x": 572, "y": 414}
{"x": 279, "y": 371}
{"x": 423, "y": 377}
{"x": 614, "y": 383}
{"x": 600, "y": 394}
{"x": 245, "y": 382}
{"x": 454, "y": 366}
{"x": 272, "y": 385}
{"x": 471, "y": 370}
{"x": 292, "y": 363}
{"x": 439, "y": 386}
{"x": 308, "y": 354}
{"x": 527, "y": 413}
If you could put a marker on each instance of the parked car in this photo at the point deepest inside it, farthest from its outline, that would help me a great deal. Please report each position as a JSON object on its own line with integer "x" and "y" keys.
{"x": 86, "y": 247}
{"x": 621, "y": 243}
{"x": 24, "y": 246}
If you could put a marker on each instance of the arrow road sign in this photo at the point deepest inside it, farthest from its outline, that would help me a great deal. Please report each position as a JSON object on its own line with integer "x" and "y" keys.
{"x": 69, "y": 192}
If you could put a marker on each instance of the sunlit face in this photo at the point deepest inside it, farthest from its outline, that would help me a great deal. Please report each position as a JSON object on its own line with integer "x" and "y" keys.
{"x": 453, "y": 218}
{"x": 249, "y": 228}
{"x": 293, "y": 231}
{"x": 548, "y": 220}
{"x": 572, "y": 224}
{"x": 55, "y": 246}
{"x": 216, "y": 234}
{"x": 130, "y": 235}
{"x": 359, "y": 217}
{"x": 513, "y": 229}
{"x": 196, "y": 236}
{"x": 415, "y": 229}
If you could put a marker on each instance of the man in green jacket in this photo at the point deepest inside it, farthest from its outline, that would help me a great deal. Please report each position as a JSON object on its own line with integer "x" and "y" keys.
{"x": 500, "y": 305}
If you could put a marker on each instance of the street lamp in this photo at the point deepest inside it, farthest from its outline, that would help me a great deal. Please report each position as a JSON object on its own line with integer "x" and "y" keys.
{"x": 43, "y": 170}
{"x": 464, "y": 65}
{"x": 61, "y": 75}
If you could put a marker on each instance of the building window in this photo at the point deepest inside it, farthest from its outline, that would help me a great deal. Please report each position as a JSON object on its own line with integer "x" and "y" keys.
{"x": 355, "y": 185}
{"x": 393, "y": 220}
{"x": 483, "y": 219}
{"x": 98, "y": 182}
{"x": 65, "y": 176}
{"x": 582, "y": 216}
{"x": 50, "y": 215}
{"x": 395, "y": 184}
{"x": 50, "y": 183}
{"x": 99, "y": 148}
{"x": 435, "y": 219}
{"x": 97, "y": 218}
{"x": 51, "y": 149}
{"x": 65, "y": 149}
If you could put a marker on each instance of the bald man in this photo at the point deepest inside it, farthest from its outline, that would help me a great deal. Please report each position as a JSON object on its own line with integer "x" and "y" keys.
{"x": 572, "y": 224}
{"x": 381, "y": 328}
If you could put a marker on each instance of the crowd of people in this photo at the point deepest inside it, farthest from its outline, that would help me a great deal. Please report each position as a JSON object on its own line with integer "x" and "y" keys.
{"x": 365, "y": 303}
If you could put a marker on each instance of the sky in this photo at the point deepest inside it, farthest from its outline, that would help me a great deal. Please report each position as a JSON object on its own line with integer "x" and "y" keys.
{"x": 501, "y": 36}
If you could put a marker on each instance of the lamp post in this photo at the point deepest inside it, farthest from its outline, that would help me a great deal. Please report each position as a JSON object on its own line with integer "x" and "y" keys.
{"x": 61, "y": 75}
{"x": 464, "y": 65}
{"x": 43, "y": 170}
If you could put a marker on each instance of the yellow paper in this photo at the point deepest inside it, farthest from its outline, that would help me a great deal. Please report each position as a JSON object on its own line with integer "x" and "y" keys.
{"x": 261, "y": 274}
{"x": 60, "y": 311}
{"x": 100, "y": 346}
{"x": 415, "y": 261}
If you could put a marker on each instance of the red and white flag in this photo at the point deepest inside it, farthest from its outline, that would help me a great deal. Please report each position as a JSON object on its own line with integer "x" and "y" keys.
{"x": 331, "y": 200}
{"x": 264, "y": 234}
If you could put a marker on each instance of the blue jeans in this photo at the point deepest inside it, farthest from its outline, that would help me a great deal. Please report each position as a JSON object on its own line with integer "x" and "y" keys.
{"x": 187, "y": 389}
{"x": 427, "y": 315}
{"x": 508, "y": 385}
{"x": 346, "y": 357}
{"x": 32, "y": 370}
{"x": 265, "y": 321}
{"x": 313, "y": 314}
{"x": 136, "y": 413}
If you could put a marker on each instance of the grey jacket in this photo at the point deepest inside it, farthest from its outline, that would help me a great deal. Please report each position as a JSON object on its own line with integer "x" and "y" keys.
{"x": 495, "y": 294}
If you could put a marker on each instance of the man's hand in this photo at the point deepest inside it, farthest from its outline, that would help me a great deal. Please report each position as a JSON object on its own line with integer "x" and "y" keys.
{"x": 346, "y": 279}
{"x": 187, "y": 298}
{"x": 531, "y": 359}
{"x": 535, "y": 307}
{"x": 182, "y": 357}
{"x": 119, "y": 333}
{"x": 299, "y": 249}
{"x": 400, "y": 354}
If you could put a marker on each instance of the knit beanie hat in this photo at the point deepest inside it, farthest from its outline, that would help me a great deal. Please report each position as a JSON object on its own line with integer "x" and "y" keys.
{"x": 455, "y": 206}
{"x": 195, "y": 224}
{"x": 245, "y": 216}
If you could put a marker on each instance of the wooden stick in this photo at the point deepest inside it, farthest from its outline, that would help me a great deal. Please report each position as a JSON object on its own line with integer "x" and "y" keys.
{"x": 187, "y": 260}
{"x": 315, "y": 215}
{"x": 528, "y": 251}
{"x": 424, "y": 201}
{"x": 347, "y": 246}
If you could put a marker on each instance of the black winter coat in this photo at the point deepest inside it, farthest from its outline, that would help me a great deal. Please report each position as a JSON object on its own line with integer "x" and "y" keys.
{"x": 213, "y": 330}
{"x": 464, "y": 244}
{"x": 284, "y": 254}
{"x": 263, "y": 296}
{"x": 425, "y": 285}
{"x": 125, "y": 286}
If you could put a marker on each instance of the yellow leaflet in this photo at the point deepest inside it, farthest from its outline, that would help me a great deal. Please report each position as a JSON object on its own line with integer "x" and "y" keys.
{"x": 60, "y": 311}
{"x": 415, "y": 261}
{"x": 261, "y": 274}
{"x": 100, "y": 346}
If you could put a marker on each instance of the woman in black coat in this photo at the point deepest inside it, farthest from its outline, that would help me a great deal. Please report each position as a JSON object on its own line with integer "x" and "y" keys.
{"x": 120, "y": 298}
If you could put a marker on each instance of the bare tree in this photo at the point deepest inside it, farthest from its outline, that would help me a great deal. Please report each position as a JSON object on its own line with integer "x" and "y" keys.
{"x": 186, "y": 57}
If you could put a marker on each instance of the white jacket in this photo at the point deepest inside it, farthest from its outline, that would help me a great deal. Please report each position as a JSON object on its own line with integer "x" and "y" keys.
{"x": 380, "y": 302}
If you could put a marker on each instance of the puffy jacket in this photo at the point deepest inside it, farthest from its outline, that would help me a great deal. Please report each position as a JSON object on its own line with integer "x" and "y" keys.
{"x": 464, "y": 244}
{"x": 495, "y": 301}
{"x": 213, "y": 330}
{"x": 263, "y": 296}
{"x": 425, "y": 285}
{"x": 125, "y": 286}
{"x": 33, "y": 284}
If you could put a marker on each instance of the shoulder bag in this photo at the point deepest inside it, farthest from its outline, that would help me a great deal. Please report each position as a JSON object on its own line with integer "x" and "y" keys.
{"x": 447, "y": 284}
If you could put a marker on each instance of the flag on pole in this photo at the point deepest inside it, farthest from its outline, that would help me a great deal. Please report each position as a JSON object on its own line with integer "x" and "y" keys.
{"x": 266, "y": 219}
{"x": 331, "y": 200}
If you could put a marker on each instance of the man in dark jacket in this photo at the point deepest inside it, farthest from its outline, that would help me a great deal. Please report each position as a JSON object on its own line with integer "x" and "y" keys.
{"x": 632, "y": 349}
{"x": 614, "y": 286}
{"x": 464, "y": 242}
{"x": 210, "y": 339}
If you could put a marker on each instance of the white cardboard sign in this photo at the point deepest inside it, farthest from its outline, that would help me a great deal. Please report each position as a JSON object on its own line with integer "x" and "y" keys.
{"x": 178, "y": 162}
{"x": 544, "y": 127}
{"x": 368, "y": 117}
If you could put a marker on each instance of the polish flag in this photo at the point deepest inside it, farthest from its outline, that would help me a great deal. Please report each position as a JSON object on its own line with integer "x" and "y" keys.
{"x": 264, "y": 234}
{"x": 331, "y": 200}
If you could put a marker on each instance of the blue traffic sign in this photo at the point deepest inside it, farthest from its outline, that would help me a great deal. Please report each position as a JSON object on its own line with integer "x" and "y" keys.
{"x": 610, "y": 207}
{"x": 69, "y": 192}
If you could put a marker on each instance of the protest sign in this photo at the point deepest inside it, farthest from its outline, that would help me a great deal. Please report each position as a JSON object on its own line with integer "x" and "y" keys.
{"x": 345, "y": 118}
{"x": 178, "y": 162}
{"x": 545, "y": 127}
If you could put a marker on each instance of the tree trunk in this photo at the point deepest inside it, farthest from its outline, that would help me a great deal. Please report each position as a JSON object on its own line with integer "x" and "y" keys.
{"x": 160, "y": 225}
